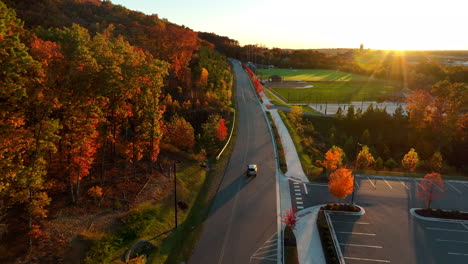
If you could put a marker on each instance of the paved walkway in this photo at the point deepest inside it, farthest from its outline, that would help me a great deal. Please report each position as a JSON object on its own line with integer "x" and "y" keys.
{"x": 309, "y": 246}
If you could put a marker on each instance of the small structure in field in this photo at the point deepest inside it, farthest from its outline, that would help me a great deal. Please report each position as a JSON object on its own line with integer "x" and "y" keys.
{"x": 275, "y": 78}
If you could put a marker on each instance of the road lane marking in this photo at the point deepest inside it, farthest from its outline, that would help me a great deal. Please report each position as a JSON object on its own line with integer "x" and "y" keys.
{"x": 297, "y": 202}
{"x": 305, "y": 188}
{"x": 365, "y": 259}
{"x": 263, "y": 252}
{"x": 451, "y": 241}
{"x": 371, "y": 182}
{"x": 267, "y": 258}
{"x": 298, "y": 194}
{"x": 300, "y": 207}
{"x": 356, "y": 245}
{"x": 299, "y": 198}
{"x": 387, "y": 183}
{"x": 404, "y": 185}
{"x": 356, "y": 233}
{"x": 349, "y": 222}
{"x": 453, "y": 187}
{"x": 444, "y": 229}
{"x": 458, "y": 254}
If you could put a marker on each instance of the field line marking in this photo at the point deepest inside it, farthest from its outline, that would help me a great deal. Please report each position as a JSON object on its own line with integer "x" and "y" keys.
{"x": 451, "y": 241}
{"x": 458, "y": 254}
{"x": 453, "y": 187}
{"x": 305, "y": 188}
{"x": 387, "y": 183}
{"x": 371, "y": 182}
{"x": 444, "y": 229}
{"x": 357, "y": 245}
{"x": 404, "y": 185}
{"x": 365, "y": 259}
{"x": 357, "y": 233}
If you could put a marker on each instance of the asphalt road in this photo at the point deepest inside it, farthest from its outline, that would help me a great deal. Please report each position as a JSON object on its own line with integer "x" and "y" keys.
{"x": 242, "y": 223}
{"x": 387, "y": 233}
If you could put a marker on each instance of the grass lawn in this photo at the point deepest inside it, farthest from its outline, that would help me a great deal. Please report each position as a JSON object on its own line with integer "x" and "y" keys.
{"x": 275, "y": 101}
{"x": 336, "y": 92}
{"x": 311, "y": 75}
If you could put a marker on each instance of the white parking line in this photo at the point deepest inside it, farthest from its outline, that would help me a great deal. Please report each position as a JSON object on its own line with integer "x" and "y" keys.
{"x": 371, "y": 182}
{"x": 365, "y": 259}
{"x": 458, "y": 254}
{"x": 466, "y": 185}
{"x": 300, "y": 207}
{"x": 420, "y": 185}
{"x": 404, "y": 185}
{"x": 451, "y": 241}
{"x": 464, "y": 225}
{"x": 356, "y": 245}
{"x": 305, "y": 188}
{"x": 357, "y": 184}
{"x": 349, "y": 222}
{"x": 444, "y": 229}
{"x": 298, "y": 198}
{"x": 453, "y": 187}
{"x": 298, "y": 194}
{"x": 297, "y": 202}
{"x": 387, "y": 183}
{"x": 356, "y": 233}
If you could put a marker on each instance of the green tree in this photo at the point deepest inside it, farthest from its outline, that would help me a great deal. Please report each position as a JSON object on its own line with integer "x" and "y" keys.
{"x": 339, "y": 114}
{"x": 391, "y": 163}
{"x": 410, "y": 160}
{"x": 364, "y": 158}
{"x": 379, "y": 164}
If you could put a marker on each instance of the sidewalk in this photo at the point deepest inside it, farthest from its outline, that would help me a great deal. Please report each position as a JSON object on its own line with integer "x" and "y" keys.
{"x": 309, "y": 246}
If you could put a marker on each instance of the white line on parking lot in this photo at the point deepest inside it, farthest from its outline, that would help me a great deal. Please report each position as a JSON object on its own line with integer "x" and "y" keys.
{"x": 458, "y": 254}
{"x": 444, "y": 229}
{"x": 453, "y": 187}
{"x": 371, "y": 182}
{"x": 298, "y": 198}
{"x": 464, "y": 225}
{"x": 451, "y": 241}
{"x": 356, "y": 233}
{"x": 356, "y": 245}
{"x": 465, "y": 184}
{"x": 404, "y": 185}
{"x": 305, "y": 188}
{"x": 387, "y": 183}
{"x": 300, "y": 207}
{"x": 349, "y": 222}
{"x": 298, "y": 194}
{"x": 374, "y": 260}
{"x": 357, "y": 184}
{"x": 299, "y": 202}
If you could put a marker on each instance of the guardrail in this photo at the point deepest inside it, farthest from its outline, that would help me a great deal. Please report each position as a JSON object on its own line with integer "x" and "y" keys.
{"x": 230, "y": 135}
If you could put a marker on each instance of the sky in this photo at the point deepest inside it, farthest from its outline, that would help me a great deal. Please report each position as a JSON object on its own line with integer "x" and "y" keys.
{"x": 311, "y": 24}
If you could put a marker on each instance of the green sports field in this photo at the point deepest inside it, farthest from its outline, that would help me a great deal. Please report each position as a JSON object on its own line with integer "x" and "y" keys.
{"x": 328, "y": 86}
{"x": 311, "y": 75}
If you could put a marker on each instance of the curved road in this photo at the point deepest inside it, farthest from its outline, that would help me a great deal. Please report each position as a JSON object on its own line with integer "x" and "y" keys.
{"x": 242, "y": 224}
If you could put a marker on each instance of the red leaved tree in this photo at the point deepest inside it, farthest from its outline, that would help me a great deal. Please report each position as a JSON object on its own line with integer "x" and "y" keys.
{"x": 341, "y": 183}
{"x": 221, "y": 134}
{"x": 290, "y": 218}
{"x": 431, "y": 188}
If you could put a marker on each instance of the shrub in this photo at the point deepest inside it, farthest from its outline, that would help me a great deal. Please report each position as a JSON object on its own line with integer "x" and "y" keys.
{"x": 391, "y": 163}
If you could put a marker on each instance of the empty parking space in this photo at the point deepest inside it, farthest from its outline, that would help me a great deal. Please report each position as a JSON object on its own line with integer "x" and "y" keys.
{"x": 358, "y": 239}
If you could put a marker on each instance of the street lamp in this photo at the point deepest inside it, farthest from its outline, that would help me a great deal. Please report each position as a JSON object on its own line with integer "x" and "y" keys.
{"x": 355, "y": 169}
{"x": 175, "y": 193}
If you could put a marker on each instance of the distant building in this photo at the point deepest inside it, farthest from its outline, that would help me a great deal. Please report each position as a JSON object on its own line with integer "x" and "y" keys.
{"x": 275, "y": 78}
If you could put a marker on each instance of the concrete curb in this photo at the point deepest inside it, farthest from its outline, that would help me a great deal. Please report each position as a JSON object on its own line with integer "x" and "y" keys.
{"x": 435, "y": 219}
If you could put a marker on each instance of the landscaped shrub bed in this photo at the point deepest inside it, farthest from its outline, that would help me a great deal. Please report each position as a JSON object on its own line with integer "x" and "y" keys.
{"x": 327, "y": 242}
{"x": 290, "y": 247}
{"x": 442, "y": 214}
{"x": 341, "y": 207}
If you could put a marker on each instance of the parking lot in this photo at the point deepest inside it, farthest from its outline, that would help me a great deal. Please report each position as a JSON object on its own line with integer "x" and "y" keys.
{"x": 387, "y": 232}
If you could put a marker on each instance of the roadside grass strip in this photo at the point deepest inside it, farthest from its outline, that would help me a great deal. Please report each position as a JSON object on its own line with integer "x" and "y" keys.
{"x": 453, "y": 187}
{"x": 366, "y": 259}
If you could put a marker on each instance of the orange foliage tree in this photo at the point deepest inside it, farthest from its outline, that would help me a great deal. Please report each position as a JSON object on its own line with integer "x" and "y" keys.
{"x": 411, "y": 160}
{"x": 341, "y": 183}
{"x": 333, "y": 159}
{"x": 221, "y": 134}
{"x": 432, "y": 187}
{"x": 365, "y": 158}
{"x": 180, "y": 133}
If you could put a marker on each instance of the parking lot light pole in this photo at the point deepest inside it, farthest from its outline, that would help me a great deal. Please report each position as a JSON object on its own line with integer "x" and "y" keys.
{"x": 354, "y": 176}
